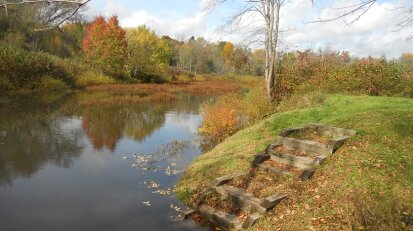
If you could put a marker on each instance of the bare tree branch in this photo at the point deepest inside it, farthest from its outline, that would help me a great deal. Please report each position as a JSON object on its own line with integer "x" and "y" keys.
{"x": 78, "y": 4}
{"x": 358, "y": 9}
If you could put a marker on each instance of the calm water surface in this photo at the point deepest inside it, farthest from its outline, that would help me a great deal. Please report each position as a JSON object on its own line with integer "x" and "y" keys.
{"x": 69, "y": 167}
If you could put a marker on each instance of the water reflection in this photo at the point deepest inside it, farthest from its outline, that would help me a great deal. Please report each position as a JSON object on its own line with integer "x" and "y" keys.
{"x": 31, "y": 136}
{"x": 60, "y": 162}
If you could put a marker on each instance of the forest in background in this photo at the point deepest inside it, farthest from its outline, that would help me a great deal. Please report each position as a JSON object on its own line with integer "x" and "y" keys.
{"x": 82, "y": 53}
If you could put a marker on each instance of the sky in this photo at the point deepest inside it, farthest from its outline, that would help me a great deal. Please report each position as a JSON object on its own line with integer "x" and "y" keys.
{"x": 376, "y": 33}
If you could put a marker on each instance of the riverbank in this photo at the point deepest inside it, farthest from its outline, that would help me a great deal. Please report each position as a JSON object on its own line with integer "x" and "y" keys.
{"x": 367, "y": 184}
{"x": 119, "y": 93}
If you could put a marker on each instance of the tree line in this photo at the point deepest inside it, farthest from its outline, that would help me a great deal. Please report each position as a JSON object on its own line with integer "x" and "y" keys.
{"x": 131, "y": 54}
{"x": 140, "y": 54}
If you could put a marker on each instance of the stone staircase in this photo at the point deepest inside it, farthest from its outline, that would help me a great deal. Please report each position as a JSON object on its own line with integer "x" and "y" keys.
{"x": 300, "y": 164}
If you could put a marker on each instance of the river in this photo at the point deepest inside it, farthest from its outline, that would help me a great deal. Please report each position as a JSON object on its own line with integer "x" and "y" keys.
{"x": 64, "y": 166}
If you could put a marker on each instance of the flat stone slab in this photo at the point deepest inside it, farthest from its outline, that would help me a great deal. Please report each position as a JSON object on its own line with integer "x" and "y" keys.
{"x": 336, "y": 143}
{"x": 258, "y": 159}
{"x": 225, "y": 179}
{"x": 241, "y": 199}
{"x": 305, "y": 145}
{"x": 275, "y": 170}
{"x": 303, "y": 175}
{"x": 272, "y": 201}
{"x": 219, "y": 218}
{"x": 330, "y": 130}
{"x": 295, "y": 161}
{"x": 288, "y": 131}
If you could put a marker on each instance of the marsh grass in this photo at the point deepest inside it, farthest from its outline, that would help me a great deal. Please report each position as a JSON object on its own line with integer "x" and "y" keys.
{"x": 157, "y": 97}
{"x": 366, "y": 185}
{"x": 90, "y": 78}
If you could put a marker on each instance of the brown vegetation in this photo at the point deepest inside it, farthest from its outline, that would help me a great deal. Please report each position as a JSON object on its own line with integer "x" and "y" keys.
{"x": 160, "y": 97}
{"x": 141, "y": 93}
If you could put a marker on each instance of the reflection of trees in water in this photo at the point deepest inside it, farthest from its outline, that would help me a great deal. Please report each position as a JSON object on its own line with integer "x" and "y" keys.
{"x": 189, "y": 104}
{"x": 143, "y": 120}
{"x": 103, "y": 125}
{"x": 106, "y": 125}
{"x": 31, "y": 135}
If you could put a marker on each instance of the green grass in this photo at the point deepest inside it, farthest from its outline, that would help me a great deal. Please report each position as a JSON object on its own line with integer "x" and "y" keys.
{"x": 366, "y": 185}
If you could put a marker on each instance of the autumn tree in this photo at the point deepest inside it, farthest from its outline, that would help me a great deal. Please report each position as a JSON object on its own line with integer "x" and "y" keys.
{"x": 239, "y": 58}
{"x": 257, "y": 62}
{"x": 227, "y": 52}
{"x": 149, "y": 55}
{"x": 407, "y": 59}
{"x": 104, "y": 45}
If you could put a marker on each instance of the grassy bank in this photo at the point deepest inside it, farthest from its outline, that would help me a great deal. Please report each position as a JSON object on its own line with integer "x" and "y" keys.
{"x": 367, "y": 184}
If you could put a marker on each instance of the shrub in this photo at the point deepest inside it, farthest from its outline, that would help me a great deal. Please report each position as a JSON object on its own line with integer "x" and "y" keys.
{"x": 221, "y": 119}
{"x": 300, "y": 101}
{"x": 332, "y": 72}
{"x": 21, "y": 69}
{"x": 90, "y": 78}
{"x": 24, "y": 69}
{"x": 48, "y": 83}
{"x": 256, "y": 106}
{"x": 232, "y": 112}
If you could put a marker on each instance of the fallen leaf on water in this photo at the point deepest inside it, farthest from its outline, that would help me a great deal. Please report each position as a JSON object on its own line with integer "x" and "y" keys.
{"x": 147, "y": 203}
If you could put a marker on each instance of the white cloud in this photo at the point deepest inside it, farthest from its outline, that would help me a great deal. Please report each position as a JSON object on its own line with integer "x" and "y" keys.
{"x": 373, "y": 34}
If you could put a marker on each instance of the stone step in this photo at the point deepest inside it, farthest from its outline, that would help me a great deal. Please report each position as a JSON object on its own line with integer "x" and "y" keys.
{"x": 301, "y": 160}
{"x": 295, "y": 161}
{"x": 303, "y": 175}
{"x": 332, "y": 131}
{"x": 305, "y": 145}
{"x": 241, "y": 199}
{"x": 275, "y": 170}
{"x": 220, "y": 218}
{"x": 307, "y": 169}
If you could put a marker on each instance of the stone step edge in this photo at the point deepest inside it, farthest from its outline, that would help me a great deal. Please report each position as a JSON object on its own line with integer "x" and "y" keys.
{"x": 304, "y": 175}
{"x": 317, "y": 160}
{"x": 296, "y": 161}
{"x": 305, "y": 145}
{"x": 326, "y": 129}
{"x": 303, "y": 163}
{"x": 225, "y": 179}
{"x": 241, "y": 199}
{"x": 220, "y": 218}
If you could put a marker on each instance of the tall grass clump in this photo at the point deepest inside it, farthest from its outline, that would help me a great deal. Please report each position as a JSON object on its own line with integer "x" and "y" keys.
{"x": 90, "y": 78}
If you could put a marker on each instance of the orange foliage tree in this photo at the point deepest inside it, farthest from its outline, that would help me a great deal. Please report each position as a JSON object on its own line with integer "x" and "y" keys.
{"x": 105, "y": 46}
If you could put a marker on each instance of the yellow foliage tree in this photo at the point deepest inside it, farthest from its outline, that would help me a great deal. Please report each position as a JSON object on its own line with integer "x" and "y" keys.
{"x": 148, "y": 54}
{"x": 227, "y": 52}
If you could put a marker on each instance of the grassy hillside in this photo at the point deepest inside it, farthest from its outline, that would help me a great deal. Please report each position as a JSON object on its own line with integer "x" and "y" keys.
{"x": 366, "y": 185}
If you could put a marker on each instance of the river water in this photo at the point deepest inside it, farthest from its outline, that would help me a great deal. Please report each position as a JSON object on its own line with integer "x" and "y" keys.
{"x": 64, "y": 166}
